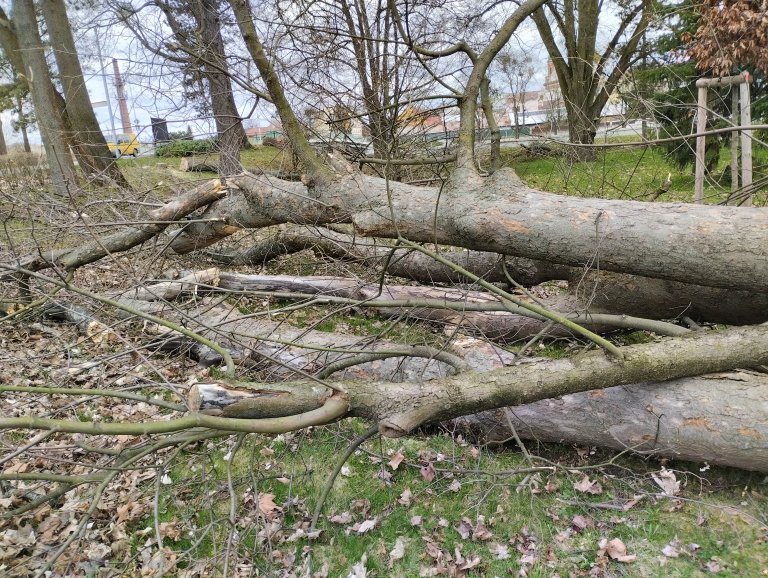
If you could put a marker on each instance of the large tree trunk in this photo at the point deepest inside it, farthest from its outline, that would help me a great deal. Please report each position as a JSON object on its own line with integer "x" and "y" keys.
{"x": 718, "y": 418}
{"x": 52, "y": 125}
{"x": 3, "y": 147}
{"x": 400, "y": 407}
{"x": 582, "y": 118}
{"x": 229, "y": 126}
{"x": 501, "y": 214}
{"x": 588, "y": 290}
{"x": 86, "y": 134}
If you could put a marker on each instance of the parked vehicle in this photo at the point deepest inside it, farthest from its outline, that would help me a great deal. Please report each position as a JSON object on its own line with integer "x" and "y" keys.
{"x": 126, "y": 145}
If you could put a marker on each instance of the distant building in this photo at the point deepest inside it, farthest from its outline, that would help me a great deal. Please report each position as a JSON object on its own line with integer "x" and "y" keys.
{"x": 257, "y": 134}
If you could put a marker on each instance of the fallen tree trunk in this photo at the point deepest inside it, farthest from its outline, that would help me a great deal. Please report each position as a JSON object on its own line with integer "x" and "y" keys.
{"x": 718, "y": 418}
{"x": 501, "y": 214}
{"x": 665, "y": 299}
{"x": 277, "y": 351}
{"x": 473, "y": 311}
{"x": 400, "y": 407}
{"x": 399, "y": 262}
{"x": 170, "y": 290}
{"x": 191, "y": 164}
{"x": 589, "y": 290}
{"x": 715, "y": 418}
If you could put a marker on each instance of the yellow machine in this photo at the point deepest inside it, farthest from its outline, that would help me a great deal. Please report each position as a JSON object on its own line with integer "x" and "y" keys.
{"x": 126, "y": 145}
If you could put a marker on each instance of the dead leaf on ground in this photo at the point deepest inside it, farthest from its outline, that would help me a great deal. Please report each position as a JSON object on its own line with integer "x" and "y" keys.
{"x": 170, "y": 530}
{"x": 428, "y": 472}
{"x": 396, "y": 460}
{"x": 588, "y": 486}
{"x": 618, "y": 551}
{"x": 365, "y": 526}
{"x": 359, "y": 570}
{"x": 713, "y": 566}
{"x": 581, "y": 523}
{"x": 398, "y": 551}
{"x": 666, "y": 480}
{"x": 464, "y": 529}
{"x": 482, "y": 532}
{"x": 499, "y": 551}
{"x": 343, "y": 518}
{"x": 267, "y": 506}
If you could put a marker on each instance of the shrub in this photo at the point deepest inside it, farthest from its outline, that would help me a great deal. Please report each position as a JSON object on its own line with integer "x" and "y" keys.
{"x": 185, "y": 148}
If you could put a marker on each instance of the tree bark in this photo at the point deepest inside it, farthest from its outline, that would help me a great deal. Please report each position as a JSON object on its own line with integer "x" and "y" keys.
{"x": 399, "y": 262}
{"x": 3, "y": 147}
{"x": 52, "y": 125}
{"x": 588, "y": 289}
{"x": 86, "y": 133}
{"x": 229, "y": 126}
{"x": 501, "y": 214}
{"x": 473, "y": 312}
{"x": 718, "y": 418}
{"x": 276, "y": 351}
{"x": 400, "y": 407}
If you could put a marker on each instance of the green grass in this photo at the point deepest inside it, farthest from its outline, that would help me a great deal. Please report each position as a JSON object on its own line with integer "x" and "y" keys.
{"x": 625, "y": 173}
{"x": 473, "y": 483}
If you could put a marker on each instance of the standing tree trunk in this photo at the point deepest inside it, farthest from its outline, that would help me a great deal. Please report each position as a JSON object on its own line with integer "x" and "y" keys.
{"x": 52, "y": 124}
{"x": 229, "y": 127}
{"x": 581, "y": 71}
{"x": 3, "y": 148}
{"x": 23, "y": 125}
{"x": 86, "y": 134}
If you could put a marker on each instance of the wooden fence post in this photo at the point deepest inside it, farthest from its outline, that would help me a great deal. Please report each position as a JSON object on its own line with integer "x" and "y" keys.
{"x": 704, "y": 84}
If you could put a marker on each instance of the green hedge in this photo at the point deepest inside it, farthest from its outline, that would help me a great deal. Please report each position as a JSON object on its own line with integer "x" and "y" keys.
{"x": 185, "y": 148}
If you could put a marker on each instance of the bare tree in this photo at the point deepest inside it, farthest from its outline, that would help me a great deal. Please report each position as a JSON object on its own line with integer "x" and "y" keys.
{"x": 350, "y": 56}
{"x": 14, "y": 96}
{"x": 23, "y": 45}
{"x": 86, "y": 134}
{"x": 518, "y": 71}
{"x": 588, "y": 73}
{"x": 198, "y": 48}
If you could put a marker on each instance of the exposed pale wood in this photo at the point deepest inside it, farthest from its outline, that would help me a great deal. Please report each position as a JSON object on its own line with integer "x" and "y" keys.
{"x": 722, "y": 81}
{"x": 169, "y": 290}
{"x": 192, "y": 164}
{"x": 256, "y": 400}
